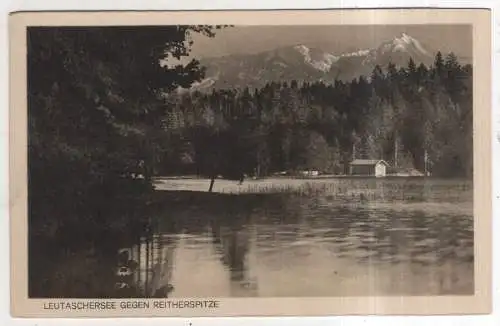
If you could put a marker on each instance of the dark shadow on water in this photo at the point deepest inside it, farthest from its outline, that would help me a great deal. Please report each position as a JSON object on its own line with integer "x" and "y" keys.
{"x": 89, "y": 262}
{"x": 137, "y": 259}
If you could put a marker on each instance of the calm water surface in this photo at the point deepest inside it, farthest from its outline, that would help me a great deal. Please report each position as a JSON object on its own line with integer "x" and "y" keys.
{"x": 314, "y": 246}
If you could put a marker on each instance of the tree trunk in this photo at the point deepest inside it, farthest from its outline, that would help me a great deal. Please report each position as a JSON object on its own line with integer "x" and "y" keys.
{"x": 212, "y": 180}
{"x": 146, "y": 276}
{"x": 396, "y": 149}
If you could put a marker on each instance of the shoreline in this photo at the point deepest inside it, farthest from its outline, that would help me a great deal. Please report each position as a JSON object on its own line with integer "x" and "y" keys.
{"x": 320, "y": 177}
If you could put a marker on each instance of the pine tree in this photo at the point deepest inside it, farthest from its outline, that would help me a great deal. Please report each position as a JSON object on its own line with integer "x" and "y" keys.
{"x": 403, "y": 117}
{"x": 412, "y": 68}
{"x": 438, "y": 65}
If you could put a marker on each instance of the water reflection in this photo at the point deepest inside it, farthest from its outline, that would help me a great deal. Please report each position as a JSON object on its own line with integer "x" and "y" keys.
{"x": 300, "y": 247}
{"x": 232, "y": 245}
{"x": 145, "y": 270}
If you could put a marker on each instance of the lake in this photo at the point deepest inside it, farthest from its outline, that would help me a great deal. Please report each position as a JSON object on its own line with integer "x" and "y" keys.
{"x": 305, "y": 238}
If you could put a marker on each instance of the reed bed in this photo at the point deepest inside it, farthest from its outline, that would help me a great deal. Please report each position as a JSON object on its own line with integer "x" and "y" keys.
{"x": 354, "y": 189}
{"x": 359, "y": 191}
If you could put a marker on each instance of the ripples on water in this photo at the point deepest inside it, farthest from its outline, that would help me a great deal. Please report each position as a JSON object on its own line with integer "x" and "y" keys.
{"x": 299, "y": 246}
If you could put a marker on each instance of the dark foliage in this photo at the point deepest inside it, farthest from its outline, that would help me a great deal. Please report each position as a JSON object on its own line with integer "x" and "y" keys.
{"x": 95, "y": 102}
{"x": 414, "y": 117}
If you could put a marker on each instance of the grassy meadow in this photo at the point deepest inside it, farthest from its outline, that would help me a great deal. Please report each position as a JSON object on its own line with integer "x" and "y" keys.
{"x": 434, "y": 193}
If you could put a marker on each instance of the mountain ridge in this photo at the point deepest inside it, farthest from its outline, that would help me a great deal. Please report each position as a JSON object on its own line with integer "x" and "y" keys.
{"x": 309, "y": 64}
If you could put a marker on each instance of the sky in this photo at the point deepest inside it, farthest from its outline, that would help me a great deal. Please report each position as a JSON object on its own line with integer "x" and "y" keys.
{"x": 335, "y": 39}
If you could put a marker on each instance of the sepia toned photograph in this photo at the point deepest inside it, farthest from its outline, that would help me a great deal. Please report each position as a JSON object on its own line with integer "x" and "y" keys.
{"x": 226, "y": 160}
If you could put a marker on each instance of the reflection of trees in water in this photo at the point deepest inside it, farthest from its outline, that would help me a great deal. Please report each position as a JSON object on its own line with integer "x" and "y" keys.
{"x": 231, "y": 238}
{"x": 233, "y": 247}
{"x": 282, "y": 221}
{"x": 162, "y": 266}
{"x": 398, "y": 236}
{"x": 145, "y": 269}
{"x": 384, "y": 235}
{"x": 448, "y": 235}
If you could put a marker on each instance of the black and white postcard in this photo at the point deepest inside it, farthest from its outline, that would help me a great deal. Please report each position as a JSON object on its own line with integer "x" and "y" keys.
{"x": 270, "y": 163}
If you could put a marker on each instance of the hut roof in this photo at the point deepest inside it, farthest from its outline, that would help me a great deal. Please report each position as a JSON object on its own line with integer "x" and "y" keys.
{"x": 368, "y": 162}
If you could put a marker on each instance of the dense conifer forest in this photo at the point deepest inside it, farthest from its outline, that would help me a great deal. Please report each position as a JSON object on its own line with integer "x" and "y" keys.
{"x": 414, "y": 117}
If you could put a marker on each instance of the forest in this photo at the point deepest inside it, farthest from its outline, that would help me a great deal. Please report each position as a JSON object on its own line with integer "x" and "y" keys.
{"x": 96, "y": 97}
{"x": 104, "y": 106}
{"x": 414, "y": 117}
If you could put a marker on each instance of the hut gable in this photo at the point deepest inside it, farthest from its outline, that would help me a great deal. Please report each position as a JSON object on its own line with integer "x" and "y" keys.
{"x": 368, "y": 167}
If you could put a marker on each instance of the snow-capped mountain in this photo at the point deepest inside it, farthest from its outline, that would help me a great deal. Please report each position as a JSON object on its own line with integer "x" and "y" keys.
{"x": 324, "y": 61}
{"x": 302, "y": 63}
{"x": 404, "y": 45}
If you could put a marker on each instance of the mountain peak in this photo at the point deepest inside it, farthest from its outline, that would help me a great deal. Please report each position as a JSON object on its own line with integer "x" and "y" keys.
{"x": 317, "y": 59}
{"x": 406, "y": 38}
{"x": 402, "y": 45}
{"x": 407, "y": 43}
{"x": 302, "y": 48}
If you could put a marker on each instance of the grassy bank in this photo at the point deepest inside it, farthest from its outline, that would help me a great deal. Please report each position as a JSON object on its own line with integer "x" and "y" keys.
{"x": 342, "y": 189}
